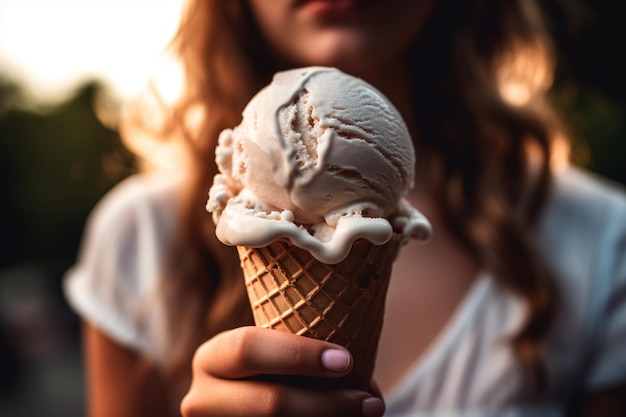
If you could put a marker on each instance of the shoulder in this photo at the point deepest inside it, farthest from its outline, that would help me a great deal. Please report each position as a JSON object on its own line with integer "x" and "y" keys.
{"x": 583, "y": 228}
{"x": 130, "y": 228}
{"x": 583, "y": 237}
{"x": 137, "y": 196}
{"x": 585, "y": 194}
{"x": 139, "y": 206}
{"x": 125, "y": 243}
{"x": 585, "y": 207}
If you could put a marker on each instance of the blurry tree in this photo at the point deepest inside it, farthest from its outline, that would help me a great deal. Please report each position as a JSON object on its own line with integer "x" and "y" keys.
{"x": 590, "y": 90}
{"x": 55, "y": 163}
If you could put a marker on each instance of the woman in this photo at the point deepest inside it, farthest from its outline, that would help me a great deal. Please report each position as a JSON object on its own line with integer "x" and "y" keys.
{"x": 497, "y": 314}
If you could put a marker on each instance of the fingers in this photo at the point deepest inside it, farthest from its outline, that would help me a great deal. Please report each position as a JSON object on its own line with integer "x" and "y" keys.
{"x": 246, "y": 398}
{"x": 252, "y": 371}
{"x": 375, "y": 390}
{"x": 251, "y": 351}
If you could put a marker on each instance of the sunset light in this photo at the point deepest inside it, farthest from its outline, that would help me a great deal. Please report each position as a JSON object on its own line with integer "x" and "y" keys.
{"x": 50, "y": 47}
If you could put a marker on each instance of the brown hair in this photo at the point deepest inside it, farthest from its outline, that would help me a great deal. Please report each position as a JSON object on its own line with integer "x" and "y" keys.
{"x": 494, "y": 152}
{"x": 495, "y": 149}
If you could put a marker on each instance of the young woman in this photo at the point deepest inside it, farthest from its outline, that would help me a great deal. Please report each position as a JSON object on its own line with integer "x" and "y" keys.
{"x": 517, "y": 305}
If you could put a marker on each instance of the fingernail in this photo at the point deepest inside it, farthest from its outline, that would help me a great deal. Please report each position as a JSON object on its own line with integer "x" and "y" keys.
{"x": 336, "y": 360}
{"x": 373, "y": 407}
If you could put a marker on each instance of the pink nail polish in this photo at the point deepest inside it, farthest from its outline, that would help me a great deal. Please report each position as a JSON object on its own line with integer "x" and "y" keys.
{"x": 336, "y": 360}
{"x": 373, "y": 407}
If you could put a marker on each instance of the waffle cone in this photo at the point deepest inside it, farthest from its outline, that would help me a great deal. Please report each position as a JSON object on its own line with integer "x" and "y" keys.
{"x": 343, "y": 303}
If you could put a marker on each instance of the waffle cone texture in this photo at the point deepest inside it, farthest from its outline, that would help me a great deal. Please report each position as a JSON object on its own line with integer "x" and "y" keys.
{"x": 344, "y": 303}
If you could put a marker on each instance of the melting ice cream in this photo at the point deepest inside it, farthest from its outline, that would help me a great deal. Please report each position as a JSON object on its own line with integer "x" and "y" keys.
{"x": 320, "y": 158}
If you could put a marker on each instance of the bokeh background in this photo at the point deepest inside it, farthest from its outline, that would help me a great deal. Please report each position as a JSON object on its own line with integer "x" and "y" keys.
{"x": 65, "y": 67}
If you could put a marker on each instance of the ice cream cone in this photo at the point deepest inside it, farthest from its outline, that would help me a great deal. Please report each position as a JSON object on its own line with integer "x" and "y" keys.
{"x": 343, "y": 303}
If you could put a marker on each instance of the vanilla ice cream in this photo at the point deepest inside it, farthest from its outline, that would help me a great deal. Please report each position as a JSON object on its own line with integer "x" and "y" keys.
{"x": 320, "y": 158}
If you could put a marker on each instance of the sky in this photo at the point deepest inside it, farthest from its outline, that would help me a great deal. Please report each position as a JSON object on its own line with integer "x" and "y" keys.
{"x": 51, "y": 46}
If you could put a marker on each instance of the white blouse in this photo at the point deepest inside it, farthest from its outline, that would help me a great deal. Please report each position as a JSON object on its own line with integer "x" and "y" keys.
{"x": 469, "y": 369}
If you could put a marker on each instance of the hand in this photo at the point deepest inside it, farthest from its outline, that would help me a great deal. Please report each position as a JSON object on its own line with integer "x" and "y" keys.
{"x": 250, "y": 371}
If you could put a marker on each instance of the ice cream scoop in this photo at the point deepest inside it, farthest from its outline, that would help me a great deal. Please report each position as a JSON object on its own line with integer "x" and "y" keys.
{"x": 321, "y": 158}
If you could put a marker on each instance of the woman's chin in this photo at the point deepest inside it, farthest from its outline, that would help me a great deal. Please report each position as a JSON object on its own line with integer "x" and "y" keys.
{"x": 351, "y": 52}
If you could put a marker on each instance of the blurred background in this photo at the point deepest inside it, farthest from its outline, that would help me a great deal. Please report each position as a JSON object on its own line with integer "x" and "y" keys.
{"x": 65, "y": 67}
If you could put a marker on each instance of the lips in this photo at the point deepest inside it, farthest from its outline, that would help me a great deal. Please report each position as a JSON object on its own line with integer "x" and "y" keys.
{"x": 329, "y": 8}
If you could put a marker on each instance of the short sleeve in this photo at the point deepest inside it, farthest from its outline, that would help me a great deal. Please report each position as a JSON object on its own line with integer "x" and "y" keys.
{"x": 113, "y": 284}
{"x": 609, "y": 355}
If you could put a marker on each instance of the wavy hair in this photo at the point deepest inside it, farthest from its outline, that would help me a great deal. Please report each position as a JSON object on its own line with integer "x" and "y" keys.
{"x": 481, "y": 70}
{"x": 482, "y": 111}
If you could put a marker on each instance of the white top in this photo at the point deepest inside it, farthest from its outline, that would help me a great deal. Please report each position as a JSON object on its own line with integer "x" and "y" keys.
{"x": 468, "y": 370}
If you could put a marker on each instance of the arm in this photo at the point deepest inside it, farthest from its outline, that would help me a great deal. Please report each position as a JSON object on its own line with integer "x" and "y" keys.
{"x": 250, "y": 371}
{"x": 119, "y": 382}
